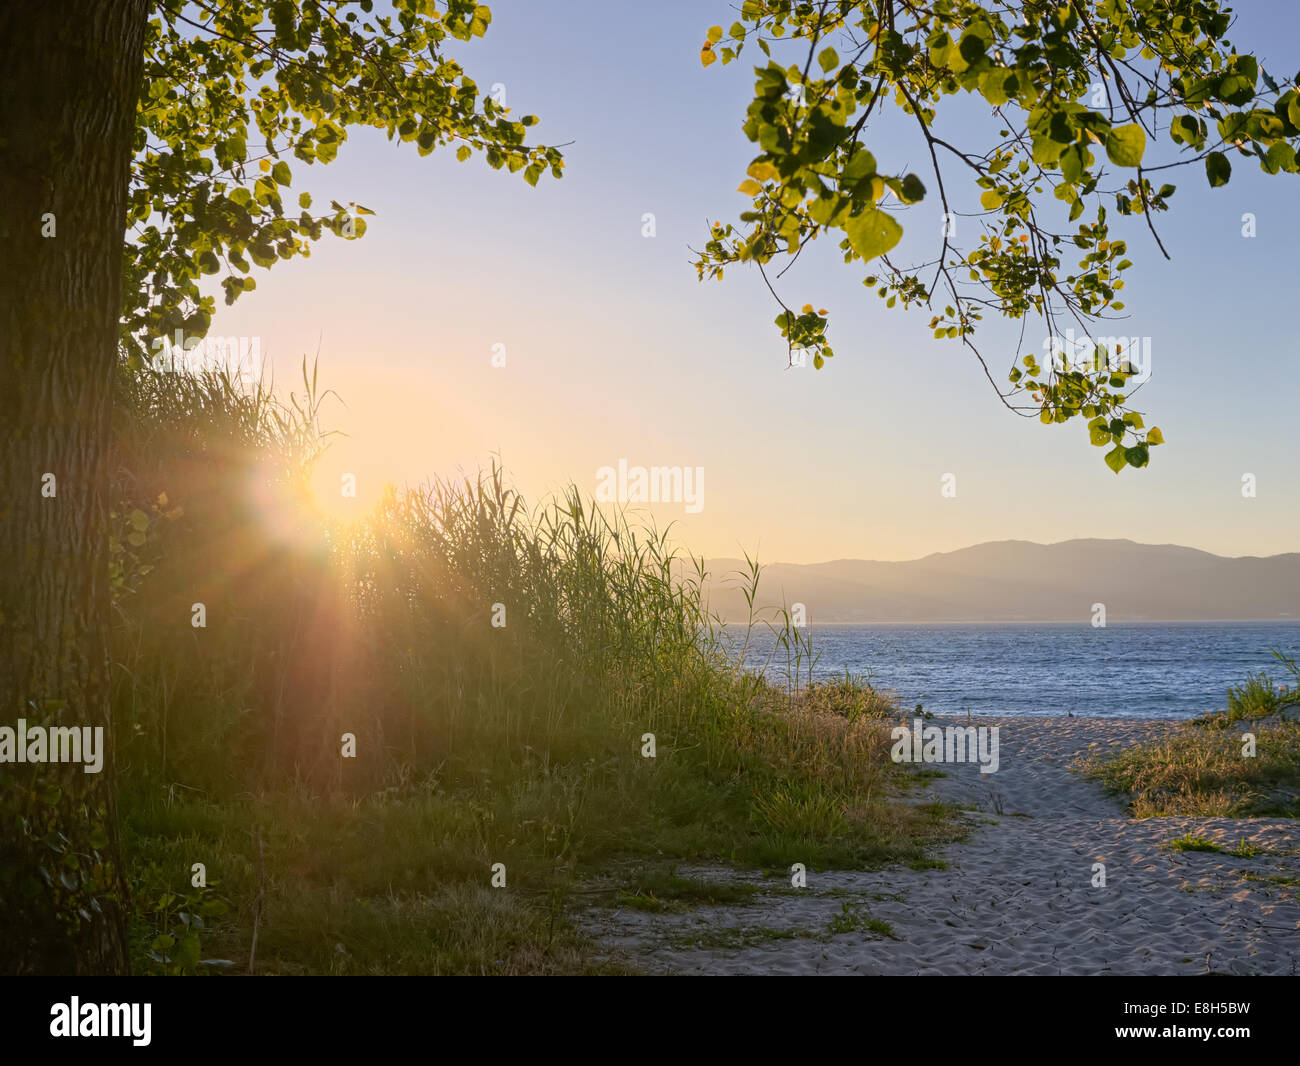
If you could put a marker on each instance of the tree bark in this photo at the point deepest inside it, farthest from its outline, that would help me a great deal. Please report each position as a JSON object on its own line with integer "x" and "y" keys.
{"x": 70, "y": 73}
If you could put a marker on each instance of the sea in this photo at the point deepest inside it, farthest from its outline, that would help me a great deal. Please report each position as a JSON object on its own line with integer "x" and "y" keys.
{"x": 1170, "y": 670}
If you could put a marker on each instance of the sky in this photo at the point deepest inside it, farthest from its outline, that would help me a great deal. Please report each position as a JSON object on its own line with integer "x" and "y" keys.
{"x": 615, "y": 351}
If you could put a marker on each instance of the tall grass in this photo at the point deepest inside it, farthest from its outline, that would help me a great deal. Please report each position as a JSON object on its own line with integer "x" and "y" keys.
{"x": 476, "y": 742}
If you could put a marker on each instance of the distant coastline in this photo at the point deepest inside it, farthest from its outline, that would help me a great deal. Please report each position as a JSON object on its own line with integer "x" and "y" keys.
{"x": 1120, "y": 581}
{"x": 1065, "y": 622}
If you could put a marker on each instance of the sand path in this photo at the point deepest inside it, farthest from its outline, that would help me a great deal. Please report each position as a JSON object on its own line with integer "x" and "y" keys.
{"x": 1017, "y": 896}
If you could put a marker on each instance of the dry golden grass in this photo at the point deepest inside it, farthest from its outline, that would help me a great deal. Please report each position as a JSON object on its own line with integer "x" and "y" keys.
{"x": 1205, "y": 768}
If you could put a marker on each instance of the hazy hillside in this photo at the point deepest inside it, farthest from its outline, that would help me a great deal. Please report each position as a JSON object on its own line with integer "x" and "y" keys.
{"x": 1016, "y": 580}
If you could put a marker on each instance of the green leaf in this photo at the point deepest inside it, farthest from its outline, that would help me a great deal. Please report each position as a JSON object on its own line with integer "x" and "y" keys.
{"x": 861, "y": 165}
{"x": 1281, "y": 156}
{"x": 1186, "y": 130}
{"x": 873, "y": 232}
{"x": 1046, "y": 150}
{"x": 188, "y": 953}
{"x": 1217, "y": 169}
{"x": 990, "y": 200}
{"x": 1238, "y": 85}
{"x": 913, "y": 190}
{"x": 1125, "y": 145}
{"x": 1115, "y": 459}
{"x": 1074, "y": 162}
{"x": 973, "y": 43}
{"x": 828, "y": 60}
{"x": 994, "y": 85}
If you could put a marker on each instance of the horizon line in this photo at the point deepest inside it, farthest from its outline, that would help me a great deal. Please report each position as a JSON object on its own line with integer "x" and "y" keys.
{"x": 1008, "y": 540}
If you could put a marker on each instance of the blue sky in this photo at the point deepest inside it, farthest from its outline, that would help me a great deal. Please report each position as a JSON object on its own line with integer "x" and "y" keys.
{"x": 615, "y": 350}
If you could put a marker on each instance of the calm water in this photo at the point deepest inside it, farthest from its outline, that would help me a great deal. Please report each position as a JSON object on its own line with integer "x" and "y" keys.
{"x": 1127, "y": 670}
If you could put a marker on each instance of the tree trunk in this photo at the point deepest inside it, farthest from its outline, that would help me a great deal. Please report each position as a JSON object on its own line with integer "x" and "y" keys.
{"x": 70, "y": 74}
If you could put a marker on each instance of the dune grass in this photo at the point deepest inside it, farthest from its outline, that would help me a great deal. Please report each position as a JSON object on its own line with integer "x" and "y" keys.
{"x": 1209, "y": 768}
{"x": 533, "y": 696}
{"x": 1195, "y": 842}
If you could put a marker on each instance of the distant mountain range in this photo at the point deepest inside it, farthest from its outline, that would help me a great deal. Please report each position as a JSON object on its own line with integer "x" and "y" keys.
{"x": 1019, "y": 581}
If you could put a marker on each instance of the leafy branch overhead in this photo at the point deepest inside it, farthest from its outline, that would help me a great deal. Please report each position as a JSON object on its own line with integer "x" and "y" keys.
{"x": 1091, "y": 102}
{"x": 236, "y": 89}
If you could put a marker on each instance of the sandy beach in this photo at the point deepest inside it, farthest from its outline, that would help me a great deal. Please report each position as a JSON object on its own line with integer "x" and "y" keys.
{"x": 1017, "y": 896}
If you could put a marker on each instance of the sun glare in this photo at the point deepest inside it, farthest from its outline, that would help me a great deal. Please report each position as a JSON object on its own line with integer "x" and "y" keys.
{"x": 343, "y": 495}
{"x": 298, "y": 515}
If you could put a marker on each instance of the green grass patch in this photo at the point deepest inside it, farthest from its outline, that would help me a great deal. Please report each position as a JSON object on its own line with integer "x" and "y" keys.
{"x": 1199, "y": 843}
{"x": 851, "y": 920}
{"x": 735, "y": 938}
{"x": 661, "y": 892}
